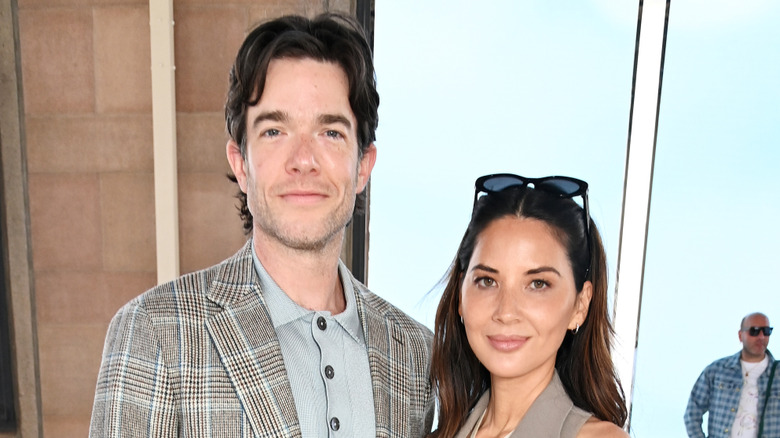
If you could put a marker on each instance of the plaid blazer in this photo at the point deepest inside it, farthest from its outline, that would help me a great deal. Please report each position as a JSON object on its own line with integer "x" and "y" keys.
{"x": 199, "y": 357}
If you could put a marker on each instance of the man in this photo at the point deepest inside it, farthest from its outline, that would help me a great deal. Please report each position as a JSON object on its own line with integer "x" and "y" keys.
{"x": 734, "y": 389}
{"x": 279, "y": 340}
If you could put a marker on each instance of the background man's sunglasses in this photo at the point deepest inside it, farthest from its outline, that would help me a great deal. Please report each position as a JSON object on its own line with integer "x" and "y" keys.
{"x": 754, "y": 331}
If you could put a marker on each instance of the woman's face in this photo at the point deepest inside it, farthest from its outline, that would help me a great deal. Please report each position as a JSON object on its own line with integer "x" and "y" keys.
{"x": 518, "y": 298}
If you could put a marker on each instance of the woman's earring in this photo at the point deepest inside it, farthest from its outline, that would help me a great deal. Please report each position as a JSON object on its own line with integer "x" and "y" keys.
{"x": 576, "y": 329}
{"x": 461, "y": 319}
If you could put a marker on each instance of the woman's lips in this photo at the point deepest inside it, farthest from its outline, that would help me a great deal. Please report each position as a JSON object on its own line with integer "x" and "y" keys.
{"x": 507, "y": 343}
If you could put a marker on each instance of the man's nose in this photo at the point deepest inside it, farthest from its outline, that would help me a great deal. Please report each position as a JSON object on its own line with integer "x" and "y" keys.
{"x": 302, "y": 156}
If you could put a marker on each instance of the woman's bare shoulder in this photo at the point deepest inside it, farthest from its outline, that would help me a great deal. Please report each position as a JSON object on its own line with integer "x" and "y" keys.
{"x": 595, "y": 428}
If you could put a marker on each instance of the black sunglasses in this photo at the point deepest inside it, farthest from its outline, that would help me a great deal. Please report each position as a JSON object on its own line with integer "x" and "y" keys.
{"x": 561, "y": 186}
{"x": 754, "y": 331}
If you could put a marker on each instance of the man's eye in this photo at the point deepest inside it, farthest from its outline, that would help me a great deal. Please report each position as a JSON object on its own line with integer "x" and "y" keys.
{"x": 333, "y": 134}
{"x": 271, "y": 133}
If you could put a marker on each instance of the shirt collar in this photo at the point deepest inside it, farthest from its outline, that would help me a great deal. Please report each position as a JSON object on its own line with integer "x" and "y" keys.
{"x": 283, "y": 309}
{"x": 349, "y": 318}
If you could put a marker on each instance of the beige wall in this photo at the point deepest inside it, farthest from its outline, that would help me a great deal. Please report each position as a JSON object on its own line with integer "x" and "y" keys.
{"x": 88, "y": 122}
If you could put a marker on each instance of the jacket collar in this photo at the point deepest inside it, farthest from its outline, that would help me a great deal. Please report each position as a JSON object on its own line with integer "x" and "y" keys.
{"x": 545, "y": 416}
{"x": 248, "y": 347}
{"x": 734, "y": 361}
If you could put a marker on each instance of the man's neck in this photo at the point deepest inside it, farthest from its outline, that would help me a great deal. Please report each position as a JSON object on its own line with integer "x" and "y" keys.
{"x": 747, "y": 357}
{"x": 310, "y": 278}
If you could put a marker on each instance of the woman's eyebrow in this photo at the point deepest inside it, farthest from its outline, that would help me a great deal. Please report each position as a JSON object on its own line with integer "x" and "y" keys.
{"x": 543, "y": 269}
{"x": 486, "y": 268}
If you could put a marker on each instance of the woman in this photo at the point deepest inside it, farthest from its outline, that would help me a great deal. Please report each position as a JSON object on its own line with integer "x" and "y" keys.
{"x": 522, "y": 332}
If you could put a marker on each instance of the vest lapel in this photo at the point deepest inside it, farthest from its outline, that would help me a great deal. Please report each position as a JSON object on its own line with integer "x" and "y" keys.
{"x": 474, "y": 415}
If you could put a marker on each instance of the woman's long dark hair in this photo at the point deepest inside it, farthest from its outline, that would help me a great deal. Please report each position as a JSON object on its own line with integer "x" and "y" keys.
{"x": 583, "y": 362}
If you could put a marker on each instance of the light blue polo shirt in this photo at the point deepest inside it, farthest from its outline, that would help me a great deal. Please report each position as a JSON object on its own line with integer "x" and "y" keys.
{"x": 326, "y": 360}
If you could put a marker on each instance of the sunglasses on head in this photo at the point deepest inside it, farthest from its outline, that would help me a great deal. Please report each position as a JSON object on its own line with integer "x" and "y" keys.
{"x": 560, "y": 186}
{"x": 754, "y": 331}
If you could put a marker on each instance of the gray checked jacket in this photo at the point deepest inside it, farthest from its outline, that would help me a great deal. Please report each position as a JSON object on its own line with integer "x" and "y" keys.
{"x": 199, "y": 357}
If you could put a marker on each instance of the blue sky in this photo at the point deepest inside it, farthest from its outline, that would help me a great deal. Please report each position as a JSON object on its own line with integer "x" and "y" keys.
{"x": 540, "y": 89}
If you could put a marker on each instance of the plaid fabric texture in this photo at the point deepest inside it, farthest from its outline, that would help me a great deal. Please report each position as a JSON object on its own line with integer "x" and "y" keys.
{"x": 198, "y": 357}
{"x": 717, "y": 390}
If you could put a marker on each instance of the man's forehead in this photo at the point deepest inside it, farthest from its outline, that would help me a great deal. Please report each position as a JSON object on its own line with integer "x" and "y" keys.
{"x": 756, "y": 320}
{"x": 261, "y": 80}
{"x": 337, "y": 100}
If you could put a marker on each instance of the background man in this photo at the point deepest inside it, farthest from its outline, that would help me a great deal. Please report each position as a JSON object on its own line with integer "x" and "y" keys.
{"x": 279, "y": 340}
{"x": 734, "y": 389}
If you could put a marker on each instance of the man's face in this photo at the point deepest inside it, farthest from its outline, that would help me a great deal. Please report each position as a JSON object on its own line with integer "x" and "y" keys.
{"x": 754, "y": 347}
{"x": 302, "y": 172}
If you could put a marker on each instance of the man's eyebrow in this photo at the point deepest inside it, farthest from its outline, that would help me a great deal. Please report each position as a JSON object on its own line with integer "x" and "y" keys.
{"x": 274, "y": 116}
{"x": 327, "y": 119}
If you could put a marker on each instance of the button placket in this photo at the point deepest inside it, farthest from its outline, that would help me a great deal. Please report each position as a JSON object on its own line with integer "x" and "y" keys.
{"x": 327, "y": 338}
{"x": 329, "y": 373}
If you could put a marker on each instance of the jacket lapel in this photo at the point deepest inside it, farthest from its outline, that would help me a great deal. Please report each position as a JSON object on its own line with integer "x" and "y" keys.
{"x": 387, "y": 360}
{"x": 246, "y": 342}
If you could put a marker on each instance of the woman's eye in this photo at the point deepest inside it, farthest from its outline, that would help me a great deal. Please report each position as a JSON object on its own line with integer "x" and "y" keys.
{"x": 485, "y": 282}
{"x": 538, "y": 284}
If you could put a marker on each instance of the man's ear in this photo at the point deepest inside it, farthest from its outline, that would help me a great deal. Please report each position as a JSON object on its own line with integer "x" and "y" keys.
{"x": 237, "y": 163}
{"x": 365, "y": 166}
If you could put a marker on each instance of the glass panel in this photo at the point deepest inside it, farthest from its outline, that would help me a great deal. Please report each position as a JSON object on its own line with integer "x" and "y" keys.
{"x": 713, "y": 238}
{"x": 534, "y": 88}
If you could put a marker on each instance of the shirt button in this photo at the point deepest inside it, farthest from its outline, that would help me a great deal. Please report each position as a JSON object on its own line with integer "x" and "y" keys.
{"x": 329, "y": 372}
{"x": 334, "y": 423}
{"x": 321, "y": 323}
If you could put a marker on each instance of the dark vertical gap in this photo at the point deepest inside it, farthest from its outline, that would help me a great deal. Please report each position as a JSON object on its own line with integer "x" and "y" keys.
{"x": 7, "y": 411}
{"x": 12, "y": 74}
{"x": 365, "y": 15}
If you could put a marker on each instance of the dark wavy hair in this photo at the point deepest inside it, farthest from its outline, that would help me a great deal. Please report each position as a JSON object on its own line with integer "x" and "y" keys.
{"x": 329, "y": 37}
{"x": 583, "y": 361}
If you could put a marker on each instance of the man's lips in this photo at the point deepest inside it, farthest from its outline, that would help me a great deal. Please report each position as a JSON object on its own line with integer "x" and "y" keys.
{"x": 303, "y": 196}
{"x": 507, "y": 342}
